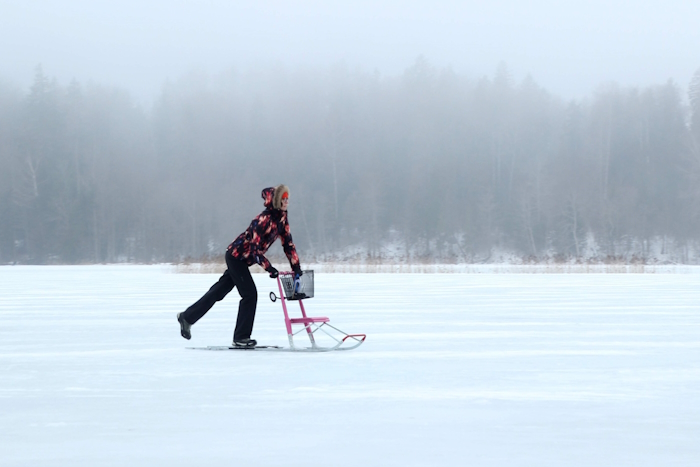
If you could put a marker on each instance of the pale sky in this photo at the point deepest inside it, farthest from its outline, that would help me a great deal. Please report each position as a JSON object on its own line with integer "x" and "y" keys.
{"x": 569, "y": 47}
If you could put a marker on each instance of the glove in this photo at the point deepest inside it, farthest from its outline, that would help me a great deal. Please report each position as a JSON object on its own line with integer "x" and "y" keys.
{"x": 273, "y": 272}
{"x": 298, "y": 271}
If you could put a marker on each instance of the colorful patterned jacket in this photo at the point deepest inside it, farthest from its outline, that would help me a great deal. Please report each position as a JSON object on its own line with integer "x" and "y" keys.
{"x": 251, "y": 245}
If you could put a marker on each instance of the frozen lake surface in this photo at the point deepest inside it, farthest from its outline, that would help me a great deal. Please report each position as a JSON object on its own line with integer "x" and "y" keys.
{"x": 457, "y": 369}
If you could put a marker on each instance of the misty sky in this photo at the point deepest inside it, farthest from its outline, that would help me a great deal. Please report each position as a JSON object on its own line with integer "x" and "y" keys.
{"x": 569, "y": 47}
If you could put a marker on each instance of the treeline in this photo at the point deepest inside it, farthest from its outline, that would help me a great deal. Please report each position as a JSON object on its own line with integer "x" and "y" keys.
{"x": 436, "y": 162}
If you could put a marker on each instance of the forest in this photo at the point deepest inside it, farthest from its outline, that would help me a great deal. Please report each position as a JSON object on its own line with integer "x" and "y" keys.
{"x": 428, "y": 165}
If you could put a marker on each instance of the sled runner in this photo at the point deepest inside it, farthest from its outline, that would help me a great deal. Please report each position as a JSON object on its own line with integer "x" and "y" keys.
{"x": 293, "y": 288}
{"x": 268, "y": 348}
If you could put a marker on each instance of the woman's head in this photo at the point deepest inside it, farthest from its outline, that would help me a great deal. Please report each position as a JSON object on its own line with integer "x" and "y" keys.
{"x": 281, "y": 197}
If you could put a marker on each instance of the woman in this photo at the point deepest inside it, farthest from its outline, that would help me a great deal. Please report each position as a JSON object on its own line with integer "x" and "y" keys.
{"x": 247, "y": 249}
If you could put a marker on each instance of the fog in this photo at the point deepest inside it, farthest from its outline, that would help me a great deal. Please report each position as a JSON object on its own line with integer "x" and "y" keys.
{"x": 568, "y": 47}
{"x": 145, "y": 132}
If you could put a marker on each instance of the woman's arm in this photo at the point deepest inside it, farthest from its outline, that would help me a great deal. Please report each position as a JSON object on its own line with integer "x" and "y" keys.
{"x": 289, "y": 248}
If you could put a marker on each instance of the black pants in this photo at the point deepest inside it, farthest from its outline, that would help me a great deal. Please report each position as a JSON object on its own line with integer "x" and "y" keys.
{"x": 237, "y": 275}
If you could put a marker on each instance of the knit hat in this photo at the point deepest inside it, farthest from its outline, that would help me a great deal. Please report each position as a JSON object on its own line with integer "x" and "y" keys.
{"x": 281, "y": 191}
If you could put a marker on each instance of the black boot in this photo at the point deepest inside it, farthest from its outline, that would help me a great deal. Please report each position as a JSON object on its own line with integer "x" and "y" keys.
{"x": 248, "y": 343}
{"x": 184, "y": 327}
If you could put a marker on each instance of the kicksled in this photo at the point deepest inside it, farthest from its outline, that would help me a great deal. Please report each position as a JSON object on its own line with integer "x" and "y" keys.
{"x": 293, "y": 288}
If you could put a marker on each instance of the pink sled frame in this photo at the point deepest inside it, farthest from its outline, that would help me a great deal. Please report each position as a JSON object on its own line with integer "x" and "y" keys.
{"x": 312, "y": 325}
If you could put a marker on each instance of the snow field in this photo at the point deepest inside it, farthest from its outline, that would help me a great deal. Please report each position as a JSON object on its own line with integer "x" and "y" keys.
{"x": 457, "y": 369}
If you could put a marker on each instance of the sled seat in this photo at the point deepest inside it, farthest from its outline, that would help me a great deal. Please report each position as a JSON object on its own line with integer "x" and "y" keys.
{"x": 320, "y": 319}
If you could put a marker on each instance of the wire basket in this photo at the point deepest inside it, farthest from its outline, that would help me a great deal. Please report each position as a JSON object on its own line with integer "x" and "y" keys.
{"x": 298, "y": 288}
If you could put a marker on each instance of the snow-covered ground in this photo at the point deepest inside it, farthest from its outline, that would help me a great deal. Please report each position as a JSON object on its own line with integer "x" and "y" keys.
{"x": 458, "y": 369}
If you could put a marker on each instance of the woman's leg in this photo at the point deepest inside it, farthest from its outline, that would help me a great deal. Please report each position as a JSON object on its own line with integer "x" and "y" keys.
{"x": 217, "y": 292}
{"x": 241, "y": 277}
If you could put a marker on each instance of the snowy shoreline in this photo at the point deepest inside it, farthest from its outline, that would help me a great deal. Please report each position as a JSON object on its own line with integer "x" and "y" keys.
{"x": 350, "y": 268}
